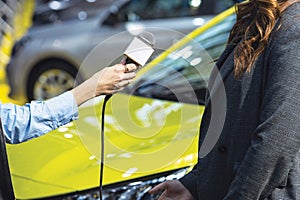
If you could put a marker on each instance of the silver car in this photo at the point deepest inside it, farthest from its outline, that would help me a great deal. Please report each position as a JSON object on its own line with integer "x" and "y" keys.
{"x": 46, "y": 61}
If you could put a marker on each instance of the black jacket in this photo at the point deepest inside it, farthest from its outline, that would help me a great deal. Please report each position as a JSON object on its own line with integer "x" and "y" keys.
{"x": 256, "y": 155}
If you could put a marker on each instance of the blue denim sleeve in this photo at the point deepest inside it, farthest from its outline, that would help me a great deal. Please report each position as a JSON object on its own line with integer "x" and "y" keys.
{"x": 22, "y": 123}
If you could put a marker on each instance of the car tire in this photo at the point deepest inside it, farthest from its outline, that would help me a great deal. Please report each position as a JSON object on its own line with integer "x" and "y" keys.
{"x": 51, "y": 78}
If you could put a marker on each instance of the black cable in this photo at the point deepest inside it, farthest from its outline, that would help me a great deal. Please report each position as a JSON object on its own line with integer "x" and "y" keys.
{"x": 107, "y": 97}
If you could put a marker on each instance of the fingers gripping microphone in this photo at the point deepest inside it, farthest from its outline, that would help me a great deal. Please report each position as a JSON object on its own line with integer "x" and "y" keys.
{"x": 138, "y": 52}
{"x": 140, "y": 49}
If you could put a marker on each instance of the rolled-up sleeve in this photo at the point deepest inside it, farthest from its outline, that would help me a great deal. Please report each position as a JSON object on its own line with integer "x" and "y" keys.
{"x": 21, "y": 123}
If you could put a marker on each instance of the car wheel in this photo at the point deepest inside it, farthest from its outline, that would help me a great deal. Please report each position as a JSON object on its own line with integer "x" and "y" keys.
{"x": 51, "y": 78}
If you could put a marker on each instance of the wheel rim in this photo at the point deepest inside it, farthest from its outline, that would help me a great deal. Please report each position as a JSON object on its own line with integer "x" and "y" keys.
{"x": 52, "y": 83}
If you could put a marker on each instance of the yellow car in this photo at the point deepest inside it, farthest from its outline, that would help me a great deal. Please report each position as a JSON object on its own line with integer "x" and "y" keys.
{"x": 151, "y": 129}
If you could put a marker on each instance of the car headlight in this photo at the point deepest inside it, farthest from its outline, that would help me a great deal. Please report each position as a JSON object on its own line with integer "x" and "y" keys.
{"x": 135, "y": 190}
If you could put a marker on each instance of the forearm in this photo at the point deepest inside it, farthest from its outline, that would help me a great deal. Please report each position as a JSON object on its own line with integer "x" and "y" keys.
{"x": 105, "y": 82}
{"x": 82, "y": 93}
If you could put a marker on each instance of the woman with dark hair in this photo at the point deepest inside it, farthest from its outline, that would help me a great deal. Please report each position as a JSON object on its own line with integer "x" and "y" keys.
{"x": 257, "y": 154}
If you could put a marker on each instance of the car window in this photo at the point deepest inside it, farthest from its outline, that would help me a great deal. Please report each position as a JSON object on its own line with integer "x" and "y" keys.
{"x": 183, "y": 74}
{"x": 214, "y": 39}
{"x": 137, "y": 10}
{"x": 60, "y": 11}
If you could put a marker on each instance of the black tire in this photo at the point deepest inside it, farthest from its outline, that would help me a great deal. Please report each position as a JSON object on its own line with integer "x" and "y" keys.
{"x": 51, "y": 78}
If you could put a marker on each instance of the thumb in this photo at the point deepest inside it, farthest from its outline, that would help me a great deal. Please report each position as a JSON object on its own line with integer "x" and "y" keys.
{"x": 158, "y": 188}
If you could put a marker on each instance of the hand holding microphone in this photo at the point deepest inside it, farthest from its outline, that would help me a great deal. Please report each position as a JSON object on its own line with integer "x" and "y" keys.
{"x": 113, "y": 79}
{"x": 105, "y": 82}
{"x": 138, "y": 52}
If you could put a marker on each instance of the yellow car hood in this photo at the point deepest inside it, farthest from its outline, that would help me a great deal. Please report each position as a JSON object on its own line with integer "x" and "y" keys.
{"x": 144, "y": 137}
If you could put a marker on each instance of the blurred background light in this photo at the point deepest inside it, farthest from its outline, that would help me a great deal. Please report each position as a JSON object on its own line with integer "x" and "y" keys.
{"x": 82, "y": 15}
{"x": 198, "y": 21}
{"x": 55, "y": 5}
{"x": 195, "y": 3}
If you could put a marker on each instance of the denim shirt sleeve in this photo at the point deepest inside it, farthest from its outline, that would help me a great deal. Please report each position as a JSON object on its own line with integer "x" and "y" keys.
{"x": 22, "y": 123}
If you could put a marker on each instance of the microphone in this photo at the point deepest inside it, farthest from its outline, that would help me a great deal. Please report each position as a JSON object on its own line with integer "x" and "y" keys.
{"x": 140, "y": 49}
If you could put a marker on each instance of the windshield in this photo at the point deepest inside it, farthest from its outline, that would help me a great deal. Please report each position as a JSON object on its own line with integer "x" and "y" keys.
{"x": 183, "y": 74}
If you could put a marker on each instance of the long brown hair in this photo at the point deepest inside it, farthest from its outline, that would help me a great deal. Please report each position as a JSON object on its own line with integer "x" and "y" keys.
{"x": 255, "y": 21}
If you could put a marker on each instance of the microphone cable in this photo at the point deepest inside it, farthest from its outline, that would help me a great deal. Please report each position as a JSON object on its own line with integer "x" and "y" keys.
{"x": 107, "y": 97}
{"x": 144, "y": 41}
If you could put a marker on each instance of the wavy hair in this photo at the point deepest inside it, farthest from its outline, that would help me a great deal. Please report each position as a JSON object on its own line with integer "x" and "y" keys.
{"x": 255, "y": 21}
